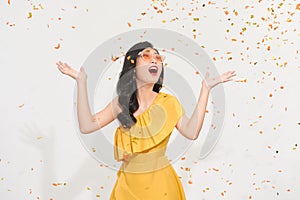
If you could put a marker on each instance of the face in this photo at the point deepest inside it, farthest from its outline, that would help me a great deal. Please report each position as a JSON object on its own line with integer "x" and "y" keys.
{"x": 148, "y": 66}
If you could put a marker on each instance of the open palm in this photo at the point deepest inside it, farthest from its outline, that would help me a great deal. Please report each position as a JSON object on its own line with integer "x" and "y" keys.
{"x": 68, "y": 70}
{"x": 212, "y": 82}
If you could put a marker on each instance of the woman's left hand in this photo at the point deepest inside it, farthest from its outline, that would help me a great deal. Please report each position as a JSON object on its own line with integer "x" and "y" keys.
{"x": 209, "y": 83}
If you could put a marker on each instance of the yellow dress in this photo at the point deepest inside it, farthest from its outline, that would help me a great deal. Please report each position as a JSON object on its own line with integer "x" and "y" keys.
{"x": 146, "y": 173}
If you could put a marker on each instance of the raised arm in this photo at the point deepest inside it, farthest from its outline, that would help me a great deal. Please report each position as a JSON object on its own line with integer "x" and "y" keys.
{"x": 190, "y": 127}
{"x": 89, "y": 123}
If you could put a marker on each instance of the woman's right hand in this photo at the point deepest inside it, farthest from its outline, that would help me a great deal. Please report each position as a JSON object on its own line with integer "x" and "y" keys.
{"x": 68, "y": 70}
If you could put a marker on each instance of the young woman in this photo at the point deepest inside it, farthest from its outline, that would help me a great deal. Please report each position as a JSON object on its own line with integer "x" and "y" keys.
{"x": 147, "y": 118}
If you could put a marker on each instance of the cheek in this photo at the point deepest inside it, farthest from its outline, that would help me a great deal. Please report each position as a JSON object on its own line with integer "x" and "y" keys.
{"x": 139, "y": 62}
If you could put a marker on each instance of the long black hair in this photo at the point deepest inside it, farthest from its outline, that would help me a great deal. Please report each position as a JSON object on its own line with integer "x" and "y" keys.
{"x": 127, "y": 88}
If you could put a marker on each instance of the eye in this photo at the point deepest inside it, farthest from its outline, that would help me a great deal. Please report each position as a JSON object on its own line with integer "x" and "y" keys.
{"x": 158, "y": 57}
{"x": 147, "y": 56}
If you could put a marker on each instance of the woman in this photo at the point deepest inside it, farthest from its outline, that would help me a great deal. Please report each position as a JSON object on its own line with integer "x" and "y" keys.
{"x": 147, "y": 118}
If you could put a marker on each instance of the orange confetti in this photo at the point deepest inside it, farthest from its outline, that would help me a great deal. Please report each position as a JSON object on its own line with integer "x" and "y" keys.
{"x": 270, "y": 95}
{"x": 129, "y": 24}
{"x": 236, "y": 13}
{"x": 268, "y": 48}
{"x": 298, "y": 6}
{"x": 114, "y": 58}
{"x": 226, "y": 12}
{"x": 233, "y": 39}
{"x": 58, "y": 46}
{"x": 190, "y": 182}
{"x": 8, "y": 2}
{"x": 159, "y": 11}
{"x": 183, "y": 158}
{"x": 215, "y": 169}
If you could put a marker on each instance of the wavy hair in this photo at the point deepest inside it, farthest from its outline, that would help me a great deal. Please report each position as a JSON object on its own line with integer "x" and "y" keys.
{"x": 127, "y": 87}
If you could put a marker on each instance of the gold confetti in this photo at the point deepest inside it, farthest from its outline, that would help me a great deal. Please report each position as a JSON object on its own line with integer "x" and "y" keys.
{"x": 39, "y": 137}
{"x": 29, "y": 15}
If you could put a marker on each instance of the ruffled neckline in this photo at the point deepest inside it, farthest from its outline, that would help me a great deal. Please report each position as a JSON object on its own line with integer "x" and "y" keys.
{"x": 154, "y": 101}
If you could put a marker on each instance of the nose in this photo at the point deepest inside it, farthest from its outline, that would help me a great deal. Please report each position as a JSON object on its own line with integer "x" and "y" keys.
{"x": 153, "y": 59}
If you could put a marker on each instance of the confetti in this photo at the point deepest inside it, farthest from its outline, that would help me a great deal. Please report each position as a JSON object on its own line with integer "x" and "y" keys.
{"x": 244, "y": 80}
{"x": 129, "y": 24}
{"x": 215, "y": 169}
{"x": 21, "y": 106}
{"x": 29, "y": 15}
{"x": 58, "y": 46}
{"x": 114, "y": 58}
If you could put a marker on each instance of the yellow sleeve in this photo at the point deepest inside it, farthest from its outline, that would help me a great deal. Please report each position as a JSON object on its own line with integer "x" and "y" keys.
{"x": 174, "y": 109}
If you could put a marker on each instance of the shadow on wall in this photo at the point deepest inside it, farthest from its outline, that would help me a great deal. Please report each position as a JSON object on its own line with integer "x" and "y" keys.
{"x": 88, "y": 175}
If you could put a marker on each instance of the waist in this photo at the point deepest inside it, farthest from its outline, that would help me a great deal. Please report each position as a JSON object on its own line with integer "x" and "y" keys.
{"x": 145, "y": 162}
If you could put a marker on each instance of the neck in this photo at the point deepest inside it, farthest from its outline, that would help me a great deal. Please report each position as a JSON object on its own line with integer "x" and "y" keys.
{"x": 145, "y": 95}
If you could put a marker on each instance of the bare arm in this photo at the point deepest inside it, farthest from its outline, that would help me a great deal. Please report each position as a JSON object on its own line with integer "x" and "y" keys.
{"x": 190, "y": 127}
{"x": 88, "y": 123}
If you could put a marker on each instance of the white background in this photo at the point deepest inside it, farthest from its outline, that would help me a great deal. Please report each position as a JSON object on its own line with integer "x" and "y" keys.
{"x": 41, "y": 154}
